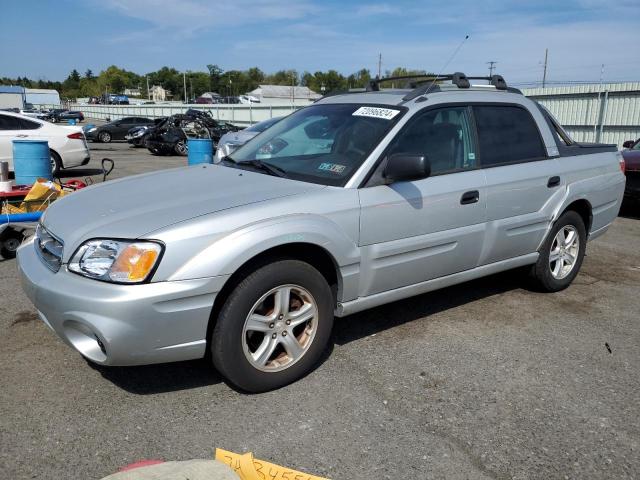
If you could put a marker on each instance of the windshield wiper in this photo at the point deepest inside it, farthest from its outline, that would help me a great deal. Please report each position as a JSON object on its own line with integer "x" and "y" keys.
{"x": 264, "y": 166}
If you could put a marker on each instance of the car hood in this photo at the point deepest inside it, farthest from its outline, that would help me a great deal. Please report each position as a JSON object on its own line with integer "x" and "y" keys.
{"x": 237, "y": 138}
{"x": 631, "y": 160}
{"x": 135, "y": 206}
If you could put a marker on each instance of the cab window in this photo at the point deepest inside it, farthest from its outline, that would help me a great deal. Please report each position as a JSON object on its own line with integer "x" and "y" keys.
{"x": 443, "y": 135}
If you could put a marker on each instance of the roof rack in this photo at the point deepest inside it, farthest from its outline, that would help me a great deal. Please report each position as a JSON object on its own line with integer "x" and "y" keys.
{"x": 426, "y": 83}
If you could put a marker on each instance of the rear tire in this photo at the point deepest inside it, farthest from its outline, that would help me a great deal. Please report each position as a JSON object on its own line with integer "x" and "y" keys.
{"x": 294, "y": 307}
{"x": 181, "y": 148}
{"x": 561, "y": 254}
{"x": 56, "y": 163}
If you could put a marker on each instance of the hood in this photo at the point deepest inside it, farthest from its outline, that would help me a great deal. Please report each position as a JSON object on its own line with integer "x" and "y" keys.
{"x": 631, "y": 160}
{"x": 138, "y": 205}
{"x": 237, "y": 138}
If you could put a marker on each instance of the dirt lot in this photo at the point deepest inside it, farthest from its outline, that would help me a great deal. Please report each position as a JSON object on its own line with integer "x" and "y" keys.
{"x": 482, "y": 380}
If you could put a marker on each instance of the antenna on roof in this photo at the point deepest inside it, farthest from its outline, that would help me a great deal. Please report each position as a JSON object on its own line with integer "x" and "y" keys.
{"x": 455, "y": 52}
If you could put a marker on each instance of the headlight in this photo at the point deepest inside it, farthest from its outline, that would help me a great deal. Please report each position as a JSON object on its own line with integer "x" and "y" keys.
{"x": 92, "y": 129}
{"x": 139, "y": 133}
{"x": 116, "y": 260}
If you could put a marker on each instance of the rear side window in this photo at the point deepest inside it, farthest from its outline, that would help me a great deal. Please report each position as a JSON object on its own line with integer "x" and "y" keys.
{"x": 28, "y": 124}
{"x": 9, "y": 123}
{"x": 507, "y": 134}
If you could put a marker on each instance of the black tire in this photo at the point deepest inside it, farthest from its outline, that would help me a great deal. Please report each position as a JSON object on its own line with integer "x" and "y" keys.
{"x": 104, "y": 137}
{"x": 56, "y": 163}
{"x": 181, "y": 148}
{"x": 10, "y": 240}
{"x": 227, "y": 342}
{"x": 541, "y": 271}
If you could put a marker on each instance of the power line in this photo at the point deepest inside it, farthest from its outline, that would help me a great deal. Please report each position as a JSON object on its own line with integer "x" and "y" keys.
{"x": 491, "y": 67}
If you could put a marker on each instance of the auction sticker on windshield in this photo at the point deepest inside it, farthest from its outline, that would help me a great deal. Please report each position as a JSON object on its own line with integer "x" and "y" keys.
{"x": 376, "y": 112}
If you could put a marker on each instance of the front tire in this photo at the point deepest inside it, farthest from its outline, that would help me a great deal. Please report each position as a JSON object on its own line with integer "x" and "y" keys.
{"x": 181, "y": 148}
{"x": 273, "y": 327}
{"x": 10, "y": 240}
{"x": 561, "y": 254}
{"x": 104, "y": 137}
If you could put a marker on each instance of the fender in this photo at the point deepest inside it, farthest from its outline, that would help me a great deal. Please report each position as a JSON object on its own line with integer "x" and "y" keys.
{"x": 229, "y": 252}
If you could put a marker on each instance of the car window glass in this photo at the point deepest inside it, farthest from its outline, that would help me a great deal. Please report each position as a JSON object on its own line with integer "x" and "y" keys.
{"x": 507, "y": 134}
{"x": 28, "y": 124}
{"x": 443, "y": 136}
{"x": 321, "y": 143}
{"x": 9, "y": 123}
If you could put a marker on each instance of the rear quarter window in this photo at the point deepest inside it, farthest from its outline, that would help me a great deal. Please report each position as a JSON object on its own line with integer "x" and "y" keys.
{"x": 507, "y": 134}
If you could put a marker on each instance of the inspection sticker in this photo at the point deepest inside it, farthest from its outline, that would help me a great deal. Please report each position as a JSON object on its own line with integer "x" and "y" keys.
{"x": 332, "y": 167}
{"x": 375, "y": 112}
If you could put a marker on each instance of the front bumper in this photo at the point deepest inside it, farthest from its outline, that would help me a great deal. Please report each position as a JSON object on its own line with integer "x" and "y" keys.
{"x": 121, "y": 324}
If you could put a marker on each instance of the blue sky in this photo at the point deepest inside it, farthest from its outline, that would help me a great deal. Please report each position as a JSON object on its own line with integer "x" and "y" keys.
{"x": 46, "y": 39}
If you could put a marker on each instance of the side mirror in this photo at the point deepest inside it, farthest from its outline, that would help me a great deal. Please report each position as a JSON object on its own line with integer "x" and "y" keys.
{"x": 628, "y": 144}
{"x": 406, "y": 166}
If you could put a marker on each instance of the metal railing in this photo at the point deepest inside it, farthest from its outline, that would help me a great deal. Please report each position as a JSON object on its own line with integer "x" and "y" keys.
{"x": 238, "y": 114}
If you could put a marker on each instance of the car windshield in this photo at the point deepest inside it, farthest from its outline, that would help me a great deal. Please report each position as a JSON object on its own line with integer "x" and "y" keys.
{"x": 322, "y": 144}
{"x": 636, "y": 146}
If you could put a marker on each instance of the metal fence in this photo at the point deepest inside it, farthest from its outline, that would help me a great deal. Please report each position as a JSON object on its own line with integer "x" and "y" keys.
{"x": 238, "y": 114}
{"x": 607, "y": 113}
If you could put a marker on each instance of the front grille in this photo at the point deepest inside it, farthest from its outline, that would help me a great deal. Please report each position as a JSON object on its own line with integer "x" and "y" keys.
{"x": 49, "y": 248}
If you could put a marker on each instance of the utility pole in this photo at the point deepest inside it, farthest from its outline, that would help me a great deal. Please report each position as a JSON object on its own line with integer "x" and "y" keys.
{"x": 544, "y": 74}
{"x": 148, "y": 92}
{"x": 184, "y": 81}
{"x": 491, "y": 67}
{"x": 379, "y": 65}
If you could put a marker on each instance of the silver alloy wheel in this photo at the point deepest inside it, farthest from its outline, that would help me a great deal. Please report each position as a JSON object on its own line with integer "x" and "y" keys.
{"x": 280, "y": 328}
{"x": 181, "y": 148}
{"x": 564, "y": 252}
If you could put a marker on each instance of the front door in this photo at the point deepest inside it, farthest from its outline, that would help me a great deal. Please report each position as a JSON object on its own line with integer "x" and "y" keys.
{"x": 415, "y": 231}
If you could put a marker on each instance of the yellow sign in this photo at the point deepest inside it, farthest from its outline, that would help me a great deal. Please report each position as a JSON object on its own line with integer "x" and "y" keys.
{"x": 249, "y": 468}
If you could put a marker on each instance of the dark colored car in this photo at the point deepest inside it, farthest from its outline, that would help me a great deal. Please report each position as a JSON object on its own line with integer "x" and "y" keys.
{"x": 116, "y": 130}
{"x": 170, "y": 136}
{"x": 60, "y": 114}
{"x": 631, "y": 156}
{"x": 137, "y": 136}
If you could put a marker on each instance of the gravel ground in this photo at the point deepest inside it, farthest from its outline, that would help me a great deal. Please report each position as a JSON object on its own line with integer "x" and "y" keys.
{"x": 481, "y": 380}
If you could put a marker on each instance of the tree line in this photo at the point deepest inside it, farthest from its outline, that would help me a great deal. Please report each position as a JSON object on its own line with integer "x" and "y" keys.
{"x": 227, "y": 83}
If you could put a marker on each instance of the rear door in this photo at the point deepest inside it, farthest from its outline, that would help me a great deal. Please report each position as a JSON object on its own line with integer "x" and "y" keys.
{"x": 523, "y": 183}
{"x": 414, "y": 231}
{"x": 10, "y": 129}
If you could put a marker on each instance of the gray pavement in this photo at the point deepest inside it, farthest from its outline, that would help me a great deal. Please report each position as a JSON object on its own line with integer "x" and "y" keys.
{"x": 482, "y": 380}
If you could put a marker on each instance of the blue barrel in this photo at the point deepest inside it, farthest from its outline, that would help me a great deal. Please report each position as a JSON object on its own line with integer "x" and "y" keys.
{"x": 72, "y": 121}
{"x": 31, "y": 160}
{"x": 200, "y": 150}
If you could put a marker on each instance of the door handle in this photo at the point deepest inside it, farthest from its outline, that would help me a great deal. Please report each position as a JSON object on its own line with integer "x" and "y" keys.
{"x": 470, "y": 197}
{"x": 22, "y": 136}
{"x": 553, "y": 182}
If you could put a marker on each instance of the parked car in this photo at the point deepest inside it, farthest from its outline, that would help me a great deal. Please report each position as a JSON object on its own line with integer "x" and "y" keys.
{"x": 169, "y": 137}
{"x": 35, "y": 113}
{"x": 232, "y": 140}
{"x": 355, "y": 201}
{"x": 59, "y": 115}
{"x": 631, "y": 155}
{"x": 117, "y": 129}
{"x": 67, "y": 144}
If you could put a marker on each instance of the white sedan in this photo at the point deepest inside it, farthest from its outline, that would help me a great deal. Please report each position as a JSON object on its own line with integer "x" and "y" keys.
{"x": 67, "y": 144}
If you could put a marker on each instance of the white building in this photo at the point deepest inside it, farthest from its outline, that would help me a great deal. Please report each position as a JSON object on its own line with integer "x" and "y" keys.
{"x": 159, "y": 94}
{"x": 284, "y": 95}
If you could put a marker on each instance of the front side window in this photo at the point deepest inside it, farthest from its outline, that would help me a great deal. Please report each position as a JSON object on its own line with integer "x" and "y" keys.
{"x": 444, "y": 136}
{"x": 507, "y": 134}
{"x": 323, "y": 144}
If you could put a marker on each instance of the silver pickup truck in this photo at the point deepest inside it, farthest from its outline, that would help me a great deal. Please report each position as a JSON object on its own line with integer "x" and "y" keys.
{"x": 355, "y": 201}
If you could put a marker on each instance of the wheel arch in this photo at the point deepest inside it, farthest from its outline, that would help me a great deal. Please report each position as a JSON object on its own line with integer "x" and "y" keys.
{"x": 583, "y": 208}
{"x": 316, "y": 256}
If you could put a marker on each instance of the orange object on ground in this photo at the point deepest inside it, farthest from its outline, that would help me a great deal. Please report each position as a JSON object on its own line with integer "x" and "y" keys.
{"x": 249, "y": 468}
